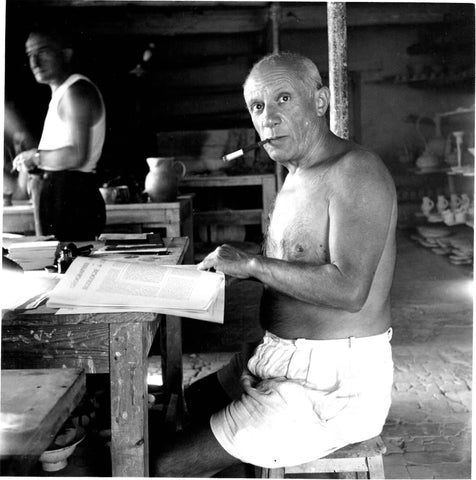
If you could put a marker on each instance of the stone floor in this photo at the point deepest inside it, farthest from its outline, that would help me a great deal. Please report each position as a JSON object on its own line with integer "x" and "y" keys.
{"x": 428, "y": 431}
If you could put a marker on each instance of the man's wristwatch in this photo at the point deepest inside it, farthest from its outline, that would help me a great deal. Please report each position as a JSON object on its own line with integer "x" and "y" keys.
{"x": 36, "y": 169}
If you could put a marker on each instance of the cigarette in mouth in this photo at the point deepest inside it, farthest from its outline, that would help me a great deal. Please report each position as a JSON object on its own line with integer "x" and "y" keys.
{"x": 242, "y": 151}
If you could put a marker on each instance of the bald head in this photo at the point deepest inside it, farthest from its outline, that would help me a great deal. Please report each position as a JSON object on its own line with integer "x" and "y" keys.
{"x": 304, "y": 69}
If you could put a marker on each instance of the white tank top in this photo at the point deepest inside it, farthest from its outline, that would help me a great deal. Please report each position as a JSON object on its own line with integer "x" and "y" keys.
{"x": 57, "y": 133}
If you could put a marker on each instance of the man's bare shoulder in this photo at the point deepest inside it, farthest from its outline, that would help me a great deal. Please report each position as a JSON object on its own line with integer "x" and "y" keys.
{"x": 360, "y": 163}
{"x": 82, "y": 90}
{"x": 82, "y": 96}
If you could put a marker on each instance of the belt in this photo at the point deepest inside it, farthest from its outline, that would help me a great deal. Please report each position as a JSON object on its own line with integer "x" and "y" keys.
{"x": 64, "y": 173}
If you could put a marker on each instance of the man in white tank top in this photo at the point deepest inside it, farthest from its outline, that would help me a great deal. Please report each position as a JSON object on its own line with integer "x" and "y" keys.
{"x": 71, "y": 206}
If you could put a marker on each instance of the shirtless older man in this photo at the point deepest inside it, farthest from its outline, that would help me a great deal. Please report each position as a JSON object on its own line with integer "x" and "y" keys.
{"x": 322, "y": 375}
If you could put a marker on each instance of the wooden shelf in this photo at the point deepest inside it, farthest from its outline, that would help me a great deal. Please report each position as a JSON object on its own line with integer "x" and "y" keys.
{"x": 235, "y": 216}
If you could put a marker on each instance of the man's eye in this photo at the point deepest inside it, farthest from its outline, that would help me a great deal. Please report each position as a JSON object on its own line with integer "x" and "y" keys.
{"x": 284, "y": 98}
{"x": 256, "y": 107}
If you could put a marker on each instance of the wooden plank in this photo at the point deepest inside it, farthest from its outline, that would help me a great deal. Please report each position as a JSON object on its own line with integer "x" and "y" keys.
{"x": 43, "y": 315}
{"x": 225, "y": 180}
{"x": 34, "y": 405}
{"x": 45, "y": 346}
{"x": 19, "y": 219}
{"x": 229, "y": 217}
{"x": 148, "y": 18}
{"x": 129, "y": 419}
{"x": 375, "y": 466}
{"x": 143, "y": 213}
{"x": 324, "y": 465}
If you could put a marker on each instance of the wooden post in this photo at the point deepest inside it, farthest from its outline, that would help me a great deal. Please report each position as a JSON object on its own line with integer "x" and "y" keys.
{"x": 274, "y": 14}
{"x": 337, "y": 38}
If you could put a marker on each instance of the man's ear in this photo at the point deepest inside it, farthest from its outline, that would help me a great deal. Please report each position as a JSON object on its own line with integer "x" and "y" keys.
{"x": 322, "y": 99}
{"x": 68, "y": 54}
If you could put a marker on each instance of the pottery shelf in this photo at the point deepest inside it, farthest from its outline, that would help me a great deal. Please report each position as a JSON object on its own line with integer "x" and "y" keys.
{"x": 465, "y": 77}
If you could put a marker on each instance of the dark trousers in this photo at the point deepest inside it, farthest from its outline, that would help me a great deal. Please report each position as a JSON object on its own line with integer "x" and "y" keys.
{"x": 71, "y": 206}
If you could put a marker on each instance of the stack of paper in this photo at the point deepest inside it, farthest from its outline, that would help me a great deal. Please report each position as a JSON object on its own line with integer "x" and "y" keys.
{"x": 33, "y": 255}
{"x": 105, "y": 284}
{"x": 132, "y": 244}
{"x": 24, "y": 291}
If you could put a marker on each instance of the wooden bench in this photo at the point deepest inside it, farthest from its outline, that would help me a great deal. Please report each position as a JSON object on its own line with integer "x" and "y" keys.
{"x": 34, "y": 405}
{"x": 363, "y": 459}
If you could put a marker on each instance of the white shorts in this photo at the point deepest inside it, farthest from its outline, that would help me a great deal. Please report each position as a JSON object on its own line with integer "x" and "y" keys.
{"x": 311, "y": 398}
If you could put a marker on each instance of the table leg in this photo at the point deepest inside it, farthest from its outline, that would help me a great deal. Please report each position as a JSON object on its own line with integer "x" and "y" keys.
{"x": 187, "y": 231}
{"x": 171, "y": 346}
{"x": 129, "y": 414}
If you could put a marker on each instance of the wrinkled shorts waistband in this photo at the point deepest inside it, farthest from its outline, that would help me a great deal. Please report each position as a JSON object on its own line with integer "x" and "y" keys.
{"x": 332, "y": 343}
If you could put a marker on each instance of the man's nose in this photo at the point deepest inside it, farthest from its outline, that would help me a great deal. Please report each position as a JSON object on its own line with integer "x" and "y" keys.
{"x": 34, "y": 61}
{"x": 271, "y": 116}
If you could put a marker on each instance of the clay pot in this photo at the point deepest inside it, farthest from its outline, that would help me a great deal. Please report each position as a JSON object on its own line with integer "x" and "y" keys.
{"x": 161, "y": 182}
{"x": 437, "y": 144}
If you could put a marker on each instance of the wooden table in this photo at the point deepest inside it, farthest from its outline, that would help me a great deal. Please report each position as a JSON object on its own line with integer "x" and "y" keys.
{"x": 33, "y": 407}
{"x": 114, "y": 343}
{"x": 176, "y": 218}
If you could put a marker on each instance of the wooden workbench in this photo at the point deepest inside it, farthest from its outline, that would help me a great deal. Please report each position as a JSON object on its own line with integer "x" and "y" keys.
{"x": 33, "y": 407}
{"x": 176, "y": 218}
{"x": 114, "y": 343}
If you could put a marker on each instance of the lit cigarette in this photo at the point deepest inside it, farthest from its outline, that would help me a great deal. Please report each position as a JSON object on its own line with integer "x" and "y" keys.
{"x": 242, "y": 151}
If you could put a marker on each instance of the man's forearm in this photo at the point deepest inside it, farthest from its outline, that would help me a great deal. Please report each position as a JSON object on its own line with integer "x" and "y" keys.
{"x": 316, "y": 284}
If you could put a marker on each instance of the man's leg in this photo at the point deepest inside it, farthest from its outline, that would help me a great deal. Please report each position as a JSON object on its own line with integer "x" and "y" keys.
{"x": 205, "y": 397}
{"x": 195, "y": 452}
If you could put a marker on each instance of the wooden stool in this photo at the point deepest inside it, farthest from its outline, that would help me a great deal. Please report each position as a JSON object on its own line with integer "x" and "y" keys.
{"x": 364, "y": 459}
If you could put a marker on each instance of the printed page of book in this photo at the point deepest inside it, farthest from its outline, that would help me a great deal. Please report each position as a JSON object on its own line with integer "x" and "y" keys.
{"x": 214, "y": 314}
{"x": 122, "y": 283}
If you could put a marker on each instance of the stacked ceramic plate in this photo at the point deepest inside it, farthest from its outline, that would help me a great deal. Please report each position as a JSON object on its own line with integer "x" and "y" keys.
{"x": 428, "y": 235}
{"x": 456, "y": 245}
{"x": 462, "y": 250}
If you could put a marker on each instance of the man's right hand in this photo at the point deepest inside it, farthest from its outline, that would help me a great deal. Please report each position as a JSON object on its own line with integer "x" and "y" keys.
{"x": 25, "y": 161}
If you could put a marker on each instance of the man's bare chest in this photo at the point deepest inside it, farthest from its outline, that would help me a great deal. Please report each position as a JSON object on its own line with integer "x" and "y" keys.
{"x": 299, "y": 227}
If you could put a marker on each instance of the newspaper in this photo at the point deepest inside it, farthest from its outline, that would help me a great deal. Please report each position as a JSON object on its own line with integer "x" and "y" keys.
{"x": 95, "y": 284}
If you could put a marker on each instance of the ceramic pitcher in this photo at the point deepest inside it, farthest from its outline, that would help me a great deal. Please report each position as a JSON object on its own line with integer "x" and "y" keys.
{"x": 161, "y": 182}
{"x": 441, "y": 204}
{"x": 455, "y": 201}
{"x": 427, "y": 205}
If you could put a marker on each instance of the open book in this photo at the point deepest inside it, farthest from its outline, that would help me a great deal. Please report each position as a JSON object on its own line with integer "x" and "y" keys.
{"x": 96, "y": 284}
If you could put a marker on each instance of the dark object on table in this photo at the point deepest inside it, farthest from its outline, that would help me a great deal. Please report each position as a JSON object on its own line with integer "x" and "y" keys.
{"x": 9, "y": 264}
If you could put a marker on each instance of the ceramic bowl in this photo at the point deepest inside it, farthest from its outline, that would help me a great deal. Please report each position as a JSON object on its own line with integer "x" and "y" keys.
{"x": 57, "y": 459}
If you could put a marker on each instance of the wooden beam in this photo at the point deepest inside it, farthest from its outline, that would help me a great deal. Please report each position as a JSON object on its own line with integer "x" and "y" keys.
{"x": 148, "y": 18}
